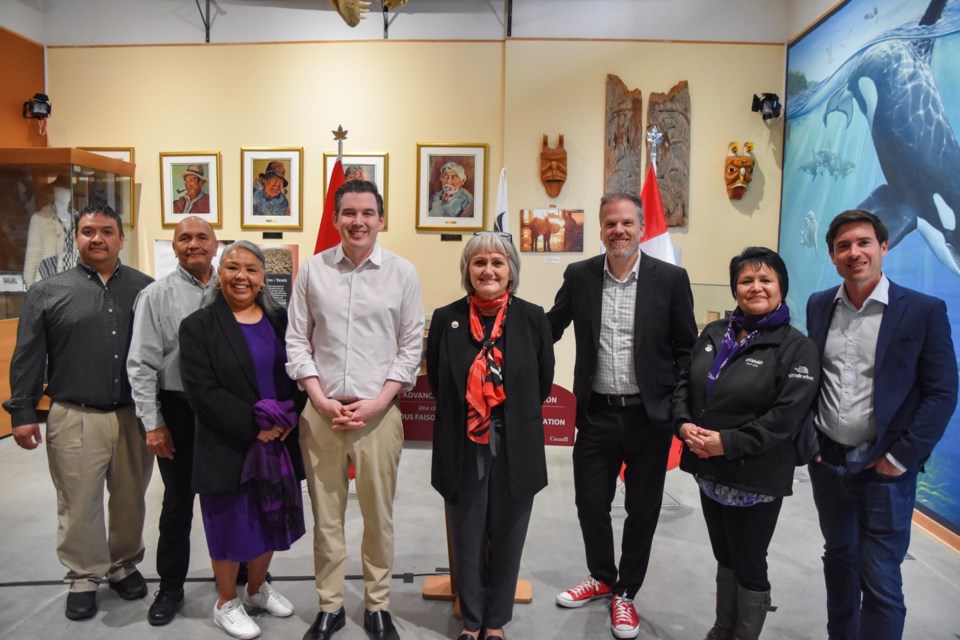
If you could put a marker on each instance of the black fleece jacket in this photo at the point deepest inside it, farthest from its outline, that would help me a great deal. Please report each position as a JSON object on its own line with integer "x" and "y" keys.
{"x": 758, "y": 402}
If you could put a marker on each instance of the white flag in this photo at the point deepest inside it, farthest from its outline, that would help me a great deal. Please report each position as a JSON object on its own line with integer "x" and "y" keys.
{"x": 501, "y": 221}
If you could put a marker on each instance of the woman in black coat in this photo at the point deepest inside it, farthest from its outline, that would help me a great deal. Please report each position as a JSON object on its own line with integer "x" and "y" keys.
{"x": 490, "y": 367}
{"x": 247, "y": 465}
{"x": 750, "y": 387}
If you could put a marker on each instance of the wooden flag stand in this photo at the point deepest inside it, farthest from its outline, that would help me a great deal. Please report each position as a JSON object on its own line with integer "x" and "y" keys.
{"x": 442, "y": 587}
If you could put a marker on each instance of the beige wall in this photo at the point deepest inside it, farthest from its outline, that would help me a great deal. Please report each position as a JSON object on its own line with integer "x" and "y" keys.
{"x": 392, "y": 95}
{"x": 559, "y": 87}
{"x": 389, "y": 96}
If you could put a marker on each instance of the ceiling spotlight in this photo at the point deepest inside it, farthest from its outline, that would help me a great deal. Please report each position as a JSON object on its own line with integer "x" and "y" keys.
{"x": 768, "y": 104}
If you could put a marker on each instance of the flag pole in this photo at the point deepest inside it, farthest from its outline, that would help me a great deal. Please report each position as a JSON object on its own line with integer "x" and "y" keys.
{"x": 340, "y": 135}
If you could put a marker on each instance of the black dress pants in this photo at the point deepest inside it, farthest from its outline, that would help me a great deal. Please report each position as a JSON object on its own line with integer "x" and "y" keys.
{"x": 176, "y": 515}
{"x": 488, "y": 529}
{"x": 608, "y": 437}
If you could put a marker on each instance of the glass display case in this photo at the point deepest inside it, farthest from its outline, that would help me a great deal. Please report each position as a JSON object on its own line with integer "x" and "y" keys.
{"x": 40, "y": 190}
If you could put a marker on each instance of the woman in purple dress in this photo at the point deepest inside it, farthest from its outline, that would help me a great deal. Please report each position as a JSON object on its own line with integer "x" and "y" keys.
{"x": 247, "y": 465}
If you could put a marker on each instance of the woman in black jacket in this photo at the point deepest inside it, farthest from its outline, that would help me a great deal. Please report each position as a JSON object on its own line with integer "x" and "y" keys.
{"x": 751, "y": 384}
{"x": 247, "y": 465}
{"x": 490, "y": 367}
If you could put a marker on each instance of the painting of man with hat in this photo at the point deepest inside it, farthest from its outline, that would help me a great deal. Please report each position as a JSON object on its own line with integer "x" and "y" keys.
{"x": 192, "y": 198}
{"x": 269, "y": 191}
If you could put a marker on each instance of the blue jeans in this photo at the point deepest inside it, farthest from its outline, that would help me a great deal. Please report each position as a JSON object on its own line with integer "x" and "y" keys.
{"x": 865, "y": 520}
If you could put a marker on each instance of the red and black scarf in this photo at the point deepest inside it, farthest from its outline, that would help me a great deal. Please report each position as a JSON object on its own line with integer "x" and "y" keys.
{"x": 485, "y": 380}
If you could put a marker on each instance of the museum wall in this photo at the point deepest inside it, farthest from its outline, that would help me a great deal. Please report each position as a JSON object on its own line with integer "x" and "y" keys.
{"x": 559, "y": 87}
{"x": 389, "y": 96}
{"x": 21, "y": 76}
{"x": 392, "y": 95}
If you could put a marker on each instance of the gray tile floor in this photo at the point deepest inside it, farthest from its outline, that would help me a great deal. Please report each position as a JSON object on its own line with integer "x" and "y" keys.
{"x": 675, "y": 603}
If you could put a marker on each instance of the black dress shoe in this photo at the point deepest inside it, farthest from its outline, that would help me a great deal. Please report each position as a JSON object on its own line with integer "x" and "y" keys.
{"x": 133, "y": 587}
{"x": 325, "y": 625}
{"x": 379, "y": 625}
{"x": 81, "y": 605}
{"x": 164, "y": 607}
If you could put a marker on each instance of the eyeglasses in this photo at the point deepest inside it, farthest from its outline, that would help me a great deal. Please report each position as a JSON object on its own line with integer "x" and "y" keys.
{"x": 500, "y": 234}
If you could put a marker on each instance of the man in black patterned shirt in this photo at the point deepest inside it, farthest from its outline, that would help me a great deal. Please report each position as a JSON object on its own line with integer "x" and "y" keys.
{"x": 77, "y": 323}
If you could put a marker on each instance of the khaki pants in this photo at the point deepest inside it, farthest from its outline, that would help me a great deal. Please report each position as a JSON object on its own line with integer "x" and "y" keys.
{"x": 86, "y": 447}
{"x": 375, "y": 453}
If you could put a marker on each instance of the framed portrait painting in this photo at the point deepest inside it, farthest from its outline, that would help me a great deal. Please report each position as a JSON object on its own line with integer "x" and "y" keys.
{"x": 118, "y": 193}
{"x": 271, "y": 188}
{"x": 451, "y": 185}
{"x": 190, "y": 186}
{"x": 361, "y": 166}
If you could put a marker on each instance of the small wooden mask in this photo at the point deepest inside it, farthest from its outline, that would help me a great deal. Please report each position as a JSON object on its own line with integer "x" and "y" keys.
{"x": 553, "y": 167}
{"x": 738, "y": 169}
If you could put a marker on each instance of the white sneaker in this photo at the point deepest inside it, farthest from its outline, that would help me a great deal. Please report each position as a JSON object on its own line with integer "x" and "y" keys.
{"x": 267, "y": 599}
{"x": 233, "y": 619}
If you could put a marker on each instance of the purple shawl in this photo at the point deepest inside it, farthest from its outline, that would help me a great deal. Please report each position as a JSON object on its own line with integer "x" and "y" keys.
{"x": 268, "y": 472}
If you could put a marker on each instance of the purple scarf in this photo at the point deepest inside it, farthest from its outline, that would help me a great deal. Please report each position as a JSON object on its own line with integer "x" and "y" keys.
{"x": 753, "y": 325}
{"x": 268, "y": 472}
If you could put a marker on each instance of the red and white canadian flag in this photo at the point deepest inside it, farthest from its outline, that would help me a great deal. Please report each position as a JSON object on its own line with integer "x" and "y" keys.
{"x": 656, "y": 239}
{"x": 327, "y": 234}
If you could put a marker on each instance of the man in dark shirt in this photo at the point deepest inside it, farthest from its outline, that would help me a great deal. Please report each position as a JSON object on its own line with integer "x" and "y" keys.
{"x": 78, "y": 324}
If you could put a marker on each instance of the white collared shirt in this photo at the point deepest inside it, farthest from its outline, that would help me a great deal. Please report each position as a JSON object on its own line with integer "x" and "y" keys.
{"x": 845, "y": 409}
{"x": 355, "y": 327}
{"x": 616, "y": 371}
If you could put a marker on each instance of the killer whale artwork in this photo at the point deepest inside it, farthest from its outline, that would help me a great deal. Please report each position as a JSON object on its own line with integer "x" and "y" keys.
{"x": 892, "y": 85}
{"x": 882, "y": 94}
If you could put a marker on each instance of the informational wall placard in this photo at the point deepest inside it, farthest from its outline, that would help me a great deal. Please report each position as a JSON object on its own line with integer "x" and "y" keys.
{"x": 282, "y": 262}
{"x": 418, "y": 410}
{"x": 559, "y": 417}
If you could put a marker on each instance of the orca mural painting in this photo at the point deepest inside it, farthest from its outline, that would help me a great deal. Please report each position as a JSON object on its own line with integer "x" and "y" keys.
{"x": 872, "y": 110}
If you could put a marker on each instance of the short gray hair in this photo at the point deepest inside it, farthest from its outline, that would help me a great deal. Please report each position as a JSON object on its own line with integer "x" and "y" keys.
{"x": 495, "y": 241}
{"x": 456, "y": 168}
{"x": 265, "y": 299}
{"x": 617, "y": 196}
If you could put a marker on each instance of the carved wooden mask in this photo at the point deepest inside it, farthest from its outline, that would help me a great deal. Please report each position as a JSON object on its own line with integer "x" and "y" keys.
{"x": 738, "y": 170}
{"x": 553, "y": 167}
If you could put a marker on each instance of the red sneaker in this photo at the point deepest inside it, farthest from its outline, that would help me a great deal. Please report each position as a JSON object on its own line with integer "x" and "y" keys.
{"x": 625, "y": 621}
{"x": 583, "y": 593}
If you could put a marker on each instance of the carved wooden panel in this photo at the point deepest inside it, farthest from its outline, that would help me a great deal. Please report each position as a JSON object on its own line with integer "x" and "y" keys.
{"x": 624, "y": 135}
{"x": 671, "y": 113}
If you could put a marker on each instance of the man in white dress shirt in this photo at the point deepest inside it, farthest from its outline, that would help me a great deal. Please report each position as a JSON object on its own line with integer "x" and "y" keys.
{"x": 353, "y": 343}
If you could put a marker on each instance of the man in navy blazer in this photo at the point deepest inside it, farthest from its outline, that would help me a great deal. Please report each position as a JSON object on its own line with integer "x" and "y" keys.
{"x": 633, "y": 320}
{"x": 887, "y": 392}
